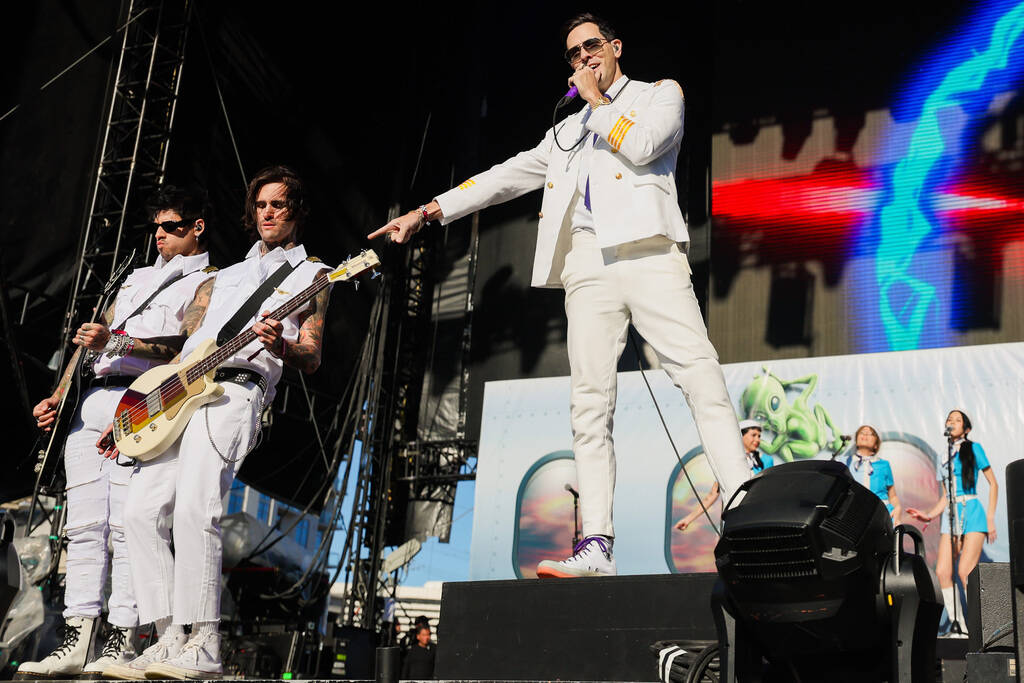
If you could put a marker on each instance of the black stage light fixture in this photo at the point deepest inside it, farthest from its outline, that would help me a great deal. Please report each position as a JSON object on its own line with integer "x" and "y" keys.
{"x": 814, "y": 583}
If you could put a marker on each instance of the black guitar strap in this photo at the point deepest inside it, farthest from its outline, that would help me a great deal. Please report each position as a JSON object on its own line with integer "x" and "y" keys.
{"x": 244, "y": 314}
{"x": 148, "y": 301}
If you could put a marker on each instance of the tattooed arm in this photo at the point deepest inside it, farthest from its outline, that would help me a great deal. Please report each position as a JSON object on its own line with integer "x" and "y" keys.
{"x": 196, "y": 310}
{"x": 304, "y": 353}
{"x": 168, "y": 348}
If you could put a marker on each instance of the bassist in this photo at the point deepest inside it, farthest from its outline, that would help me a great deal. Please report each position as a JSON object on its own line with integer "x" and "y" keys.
{"x": 189, "y": 480}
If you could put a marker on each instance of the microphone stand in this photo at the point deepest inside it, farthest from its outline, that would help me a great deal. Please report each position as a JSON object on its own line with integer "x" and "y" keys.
{"x": 575, "y": 516}
{"x": 955, "y": 626}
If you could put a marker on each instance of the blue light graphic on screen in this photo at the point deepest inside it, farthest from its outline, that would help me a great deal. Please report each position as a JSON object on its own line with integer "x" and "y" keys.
{"x": 969, "y": 71}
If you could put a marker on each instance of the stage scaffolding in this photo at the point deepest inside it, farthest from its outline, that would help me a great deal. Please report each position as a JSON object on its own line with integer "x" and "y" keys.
{"x": 409, "y": 466}
{"x": 132, "y": 149}
{"x": 132, "y": 158}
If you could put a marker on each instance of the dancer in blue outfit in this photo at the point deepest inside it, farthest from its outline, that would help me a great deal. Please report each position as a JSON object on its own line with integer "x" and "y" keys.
{"x": 874, "y": 472}
{"x": 972, "y": 523}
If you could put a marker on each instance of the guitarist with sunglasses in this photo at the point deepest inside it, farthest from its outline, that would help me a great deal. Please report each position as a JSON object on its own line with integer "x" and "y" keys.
{"x": 138, "y": 331}
{"x": 189, "y": 480}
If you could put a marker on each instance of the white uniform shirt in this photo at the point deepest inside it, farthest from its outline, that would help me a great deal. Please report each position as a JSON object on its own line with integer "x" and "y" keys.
{"x": 582, "y": 218}
{"x": 233, "y": 288}
{"x": 163, "y": 316}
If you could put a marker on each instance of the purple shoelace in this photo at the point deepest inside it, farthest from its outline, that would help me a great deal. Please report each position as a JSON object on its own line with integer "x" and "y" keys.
{"x": 583, "y": 544}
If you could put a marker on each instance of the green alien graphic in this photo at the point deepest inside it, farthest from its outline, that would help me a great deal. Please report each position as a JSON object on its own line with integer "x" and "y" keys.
{"x": 800, "y": 432}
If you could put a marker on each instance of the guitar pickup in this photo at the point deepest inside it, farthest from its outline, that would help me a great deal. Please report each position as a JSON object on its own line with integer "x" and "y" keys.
{"x": 153, "y": 403}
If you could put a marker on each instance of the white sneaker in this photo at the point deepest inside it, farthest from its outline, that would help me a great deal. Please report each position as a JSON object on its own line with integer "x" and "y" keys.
{"x": 591, "y": 557}
{"x": 68, "y": 660}
{"x": 199, "y": 658}
{"x": 135, "y": 670}
{"x": 118, "y": 649}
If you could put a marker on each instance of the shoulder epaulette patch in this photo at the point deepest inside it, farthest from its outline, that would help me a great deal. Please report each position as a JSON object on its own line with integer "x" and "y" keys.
{"x": 669, "y": 80}
{"x": 313, "y": 259}
{"x": 210, "y": 269}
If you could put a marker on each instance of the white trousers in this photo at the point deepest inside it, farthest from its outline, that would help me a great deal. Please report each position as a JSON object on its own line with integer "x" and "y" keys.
{"x": 188, "y": 482}
{"x": 96, "y": 491}
{"x": 647, "y": 283}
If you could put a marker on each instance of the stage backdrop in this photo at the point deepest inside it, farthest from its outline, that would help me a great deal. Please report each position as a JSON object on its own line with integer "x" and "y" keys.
{"x": 524, "y": 513}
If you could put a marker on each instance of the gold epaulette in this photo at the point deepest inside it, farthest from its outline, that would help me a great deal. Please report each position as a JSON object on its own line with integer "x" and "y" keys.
{"x": 210, "y": 269}
{"x": 313, "y": 259}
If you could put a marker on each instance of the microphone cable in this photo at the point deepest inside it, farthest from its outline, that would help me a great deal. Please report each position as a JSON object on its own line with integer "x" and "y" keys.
{"x": 668, "y": 433}
{"x": 563, "y": 102}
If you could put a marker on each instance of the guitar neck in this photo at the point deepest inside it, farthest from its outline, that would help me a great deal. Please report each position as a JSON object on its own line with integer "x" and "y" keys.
{"x": 244, "y": 338}
{"x": 69, "y": 373}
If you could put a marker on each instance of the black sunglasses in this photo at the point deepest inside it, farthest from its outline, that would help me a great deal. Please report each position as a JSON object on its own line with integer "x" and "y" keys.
{"x": 591, "y": 45}
{"x": 169, "y": 226}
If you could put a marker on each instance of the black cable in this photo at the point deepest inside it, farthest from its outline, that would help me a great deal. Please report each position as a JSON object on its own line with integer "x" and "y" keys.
{"x": 75, "y": 63}
{"x": 220, "y": 97}
{"x": 554, "y": 116}
{"x": 682, "y": 466}
{"x": 702, "y": 665}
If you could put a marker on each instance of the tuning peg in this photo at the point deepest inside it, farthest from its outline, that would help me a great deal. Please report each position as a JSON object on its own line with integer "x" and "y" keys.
{"x": 376, "y": 274}
{"x": 356, "y": 284}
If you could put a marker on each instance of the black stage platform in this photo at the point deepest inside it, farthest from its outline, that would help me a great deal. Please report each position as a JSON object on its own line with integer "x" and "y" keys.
{"x": 594, "y": 629}
{"x": 597, "y": 629}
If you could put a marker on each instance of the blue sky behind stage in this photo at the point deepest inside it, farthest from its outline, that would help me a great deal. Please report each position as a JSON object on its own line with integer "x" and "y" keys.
{"x": 435, "y": 561}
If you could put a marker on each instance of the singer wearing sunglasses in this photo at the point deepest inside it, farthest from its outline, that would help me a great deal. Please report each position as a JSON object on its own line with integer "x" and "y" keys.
{"x": 972, "y": 523}
{"x": 610, "y": 234}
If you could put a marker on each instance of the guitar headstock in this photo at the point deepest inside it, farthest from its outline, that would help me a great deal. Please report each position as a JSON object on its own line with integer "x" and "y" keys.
{"x": 362, "y": 262}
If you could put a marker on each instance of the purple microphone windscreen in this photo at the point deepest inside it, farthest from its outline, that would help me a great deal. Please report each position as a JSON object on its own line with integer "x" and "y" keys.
{"x": 573, "y": 92}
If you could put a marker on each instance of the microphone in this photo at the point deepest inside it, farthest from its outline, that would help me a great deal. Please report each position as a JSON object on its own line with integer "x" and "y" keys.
{"x": 574, "y": 492}
{"x": 948, "y": 432}
{"x": 846, "y": 437}
{"x": 569, "y": 97}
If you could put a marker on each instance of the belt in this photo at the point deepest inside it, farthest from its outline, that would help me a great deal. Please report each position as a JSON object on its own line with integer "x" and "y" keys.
{"x": 239, "y": 376}
{"x": 112, "y": 381}
{"x": 966, "y": 497}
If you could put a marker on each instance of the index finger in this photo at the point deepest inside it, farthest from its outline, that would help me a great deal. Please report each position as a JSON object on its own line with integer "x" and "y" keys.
{"x": 381, "y": 231}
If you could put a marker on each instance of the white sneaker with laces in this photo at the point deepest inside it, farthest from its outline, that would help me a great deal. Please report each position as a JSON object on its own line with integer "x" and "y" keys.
{"x": 118, "y": 649}
{"x": 135, "y": 670}
{"x": 199, "y": 658}
{"x": 591, "y": 557}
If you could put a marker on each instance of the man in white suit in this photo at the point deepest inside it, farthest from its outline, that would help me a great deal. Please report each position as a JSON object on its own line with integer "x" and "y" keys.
{"x": 609, "y": 234}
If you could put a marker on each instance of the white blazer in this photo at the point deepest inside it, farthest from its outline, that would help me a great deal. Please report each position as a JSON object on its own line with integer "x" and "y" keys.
{"x": 632, "y": 176}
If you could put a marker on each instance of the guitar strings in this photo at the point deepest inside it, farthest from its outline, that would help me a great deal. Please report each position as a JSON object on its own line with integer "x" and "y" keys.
{"x": 319, "y": 282}
{"x": 174, "y": 383}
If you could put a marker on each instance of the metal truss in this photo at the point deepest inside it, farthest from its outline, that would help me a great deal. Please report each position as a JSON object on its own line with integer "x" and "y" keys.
{"x": 396, "y": 465}
{"x": 133, "y": 147}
